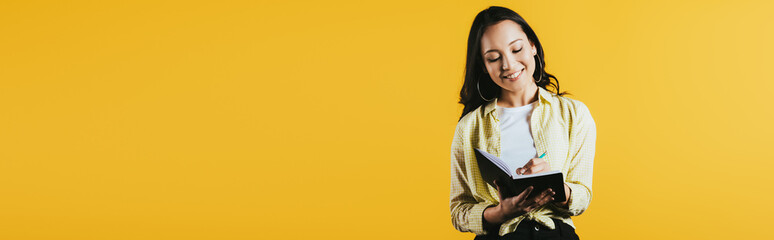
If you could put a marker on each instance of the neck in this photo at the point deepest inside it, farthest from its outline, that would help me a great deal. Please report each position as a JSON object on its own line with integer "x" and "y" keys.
{"x": 518, "y": 97}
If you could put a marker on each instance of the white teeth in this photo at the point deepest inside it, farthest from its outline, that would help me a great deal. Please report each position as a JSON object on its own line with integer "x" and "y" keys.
{"x": 513, "y": 75}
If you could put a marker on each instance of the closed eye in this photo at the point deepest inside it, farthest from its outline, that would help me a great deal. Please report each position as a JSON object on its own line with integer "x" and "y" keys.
{"x": 495, "y": 60}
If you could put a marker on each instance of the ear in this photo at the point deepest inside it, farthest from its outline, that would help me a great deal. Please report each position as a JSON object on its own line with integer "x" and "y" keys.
{"x": 534, "y": 49}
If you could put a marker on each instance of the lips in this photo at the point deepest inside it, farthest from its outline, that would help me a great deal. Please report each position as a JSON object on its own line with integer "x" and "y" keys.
{"x": 515, "y": 75}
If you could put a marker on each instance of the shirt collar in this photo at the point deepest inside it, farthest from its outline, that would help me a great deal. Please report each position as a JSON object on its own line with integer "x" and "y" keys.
{"x": 544, "y": 96}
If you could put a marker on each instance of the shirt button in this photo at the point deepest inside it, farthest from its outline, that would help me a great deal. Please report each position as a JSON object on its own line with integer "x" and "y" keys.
{"x": 537, "y": 228}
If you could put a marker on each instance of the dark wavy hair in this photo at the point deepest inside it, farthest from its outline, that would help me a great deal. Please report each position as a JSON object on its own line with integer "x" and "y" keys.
{"x": 475, "y": 70}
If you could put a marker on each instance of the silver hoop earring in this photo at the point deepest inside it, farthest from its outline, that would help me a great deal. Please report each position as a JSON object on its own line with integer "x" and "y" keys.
{"x": 479, "y": 92}
{"x": 541, "y": 73}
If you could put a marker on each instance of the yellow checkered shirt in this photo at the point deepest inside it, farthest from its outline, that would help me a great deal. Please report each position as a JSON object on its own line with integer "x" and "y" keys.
{"x": 560, "y": 126}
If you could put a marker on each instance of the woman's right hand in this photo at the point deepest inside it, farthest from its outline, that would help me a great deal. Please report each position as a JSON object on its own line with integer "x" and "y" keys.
{"x": 517, "y": 205}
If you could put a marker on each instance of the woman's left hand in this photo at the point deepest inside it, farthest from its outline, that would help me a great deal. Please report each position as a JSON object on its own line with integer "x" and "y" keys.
{"x": 534, "y": 165}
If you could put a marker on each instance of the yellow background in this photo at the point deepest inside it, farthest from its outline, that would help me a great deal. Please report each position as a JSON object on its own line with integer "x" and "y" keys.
{"x": 334, "y": 119}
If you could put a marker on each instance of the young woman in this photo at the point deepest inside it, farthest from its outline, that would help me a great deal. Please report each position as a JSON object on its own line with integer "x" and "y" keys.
{"x": 510, "y": 113}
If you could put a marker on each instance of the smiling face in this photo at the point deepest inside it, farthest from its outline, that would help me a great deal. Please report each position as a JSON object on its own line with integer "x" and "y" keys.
{"x": 509, "y": 56}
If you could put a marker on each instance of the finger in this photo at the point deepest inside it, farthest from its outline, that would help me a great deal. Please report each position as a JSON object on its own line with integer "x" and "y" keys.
{"x": 536, "y": 169}
{"x": 545, "y": 197}
{"x": 532, "y": 166}
{"x": 524, "y": 194}
{"x": 543, "y": 194}
{"x": 498, "y": 190}
{"x": 519, "y": 171}
{"x": 545, "y": 166}
{"x": 535, "y": 201}
{"x": 530, "y": 163}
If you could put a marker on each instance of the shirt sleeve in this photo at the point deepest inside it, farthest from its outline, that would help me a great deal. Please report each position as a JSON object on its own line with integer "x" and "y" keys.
{"x": 582, "y": 147}
{"x": 466, "y": 211}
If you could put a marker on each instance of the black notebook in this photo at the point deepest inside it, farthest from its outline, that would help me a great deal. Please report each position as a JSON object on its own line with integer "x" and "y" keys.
{"x": 511, "y": 184}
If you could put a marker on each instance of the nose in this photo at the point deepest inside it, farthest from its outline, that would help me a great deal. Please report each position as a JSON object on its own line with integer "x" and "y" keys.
{"x": 506, "y": 62}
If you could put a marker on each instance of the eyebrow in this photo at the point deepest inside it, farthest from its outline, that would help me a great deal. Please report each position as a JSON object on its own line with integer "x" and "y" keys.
{"x": 492, "y": 50}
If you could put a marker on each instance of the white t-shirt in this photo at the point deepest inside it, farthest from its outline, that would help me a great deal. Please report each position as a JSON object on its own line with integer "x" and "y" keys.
{"x": 517, "y": 145}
